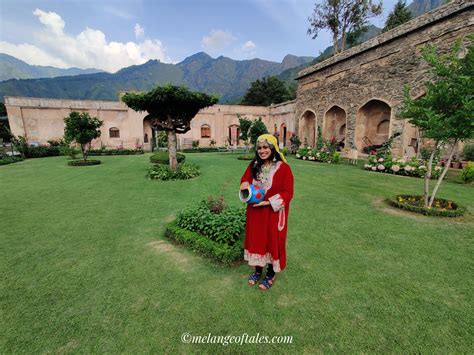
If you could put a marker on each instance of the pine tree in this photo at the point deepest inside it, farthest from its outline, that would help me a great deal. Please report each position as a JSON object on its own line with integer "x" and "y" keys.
{"x": 399, "y": 15}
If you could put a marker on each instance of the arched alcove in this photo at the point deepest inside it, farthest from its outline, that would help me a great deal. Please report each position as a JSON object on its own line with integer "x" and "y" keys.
{"x": 335, "y": 124}
{"x": 372, "y": 124}
{"x": 308, "y": 128}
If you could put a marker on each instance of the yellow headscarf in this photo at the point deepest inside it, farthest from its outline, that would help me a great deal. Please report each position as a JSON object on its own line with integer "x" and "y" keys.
{"x": 273, "y": 141}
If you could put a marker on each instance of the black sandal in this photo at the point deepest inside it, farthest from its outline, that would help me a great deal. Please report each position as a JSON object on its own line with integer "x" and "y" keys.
{"x": 267, "y": 283}
{"x": 253, "y": 278}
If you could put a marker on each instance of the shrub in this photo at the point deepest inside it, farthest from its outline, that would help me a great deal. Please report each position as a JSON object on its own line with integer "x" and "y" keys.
{"x": 68, "y": 150}
{"x": 468, "y": 152}
{"x": 246, "y": 157}
{"x": 104, "y": 151}
{"x": 220, "y": 252}
{"x": 467, "y": 174}
{"x": 9, "y": 160}
{"x": 285, "y": 151}
{"x": 83, "y": 162}
{"x": 163, "y": 158}
{"x": 163, "y": 172}
{"x": 415, "y": 203}
{"x": 195, "y": 143}
{"x": 225, "y": 227}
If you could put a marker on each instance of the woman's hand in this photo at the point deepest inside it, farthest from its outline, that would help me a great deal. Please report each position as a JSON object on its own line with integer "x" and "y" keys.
{"x": 244, "y": 185}
{"x": 262, "y": 204}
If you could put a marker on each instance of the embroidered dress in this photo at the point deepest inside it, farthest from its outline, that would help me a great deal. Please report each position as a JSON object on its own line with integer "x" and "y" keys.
{"x": 266, "y": 227}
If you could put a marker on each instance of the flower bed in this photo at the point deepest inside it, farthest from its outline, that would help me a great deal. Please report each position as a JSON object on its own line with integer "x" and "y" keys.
{"x": 163, "y": 172}
{"x": 322, "y": 155}
{"x": 415, "y": 203}
{"x": 399, "y": 166}
{"x": 83, "y": 163}
{"x": 211, "y": 229}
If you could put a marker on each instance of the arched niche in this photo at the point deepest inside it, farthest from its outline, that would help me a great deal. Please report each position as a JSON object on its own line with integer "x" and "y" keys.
{"x": 372, "y": 124}
{"x": 308, "y": 128}
{"x": 335, "y": 124}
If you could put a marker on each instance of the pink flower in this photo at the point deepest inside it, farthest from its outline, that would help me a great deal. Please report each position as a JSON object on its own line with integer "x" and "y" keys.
{"x": 395, "y": 168}
{"x": 381, "y": 167}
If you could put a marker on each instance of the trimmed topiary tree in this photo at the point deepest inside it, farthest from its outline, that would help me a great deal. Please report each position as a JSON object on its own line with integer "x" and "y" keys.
{"x": 81, "y": 128}
{"x": 171, "y": 108}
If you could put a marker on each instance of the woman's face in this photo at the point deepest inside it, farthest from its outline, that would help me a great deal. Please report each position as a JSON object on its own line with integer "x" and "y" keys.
{"x": 263, "y": 150}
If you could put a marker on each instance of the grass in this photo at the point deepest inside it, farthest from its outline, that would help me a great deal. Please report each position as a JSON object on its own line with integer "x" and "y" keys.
{"x": 85, "y": 266}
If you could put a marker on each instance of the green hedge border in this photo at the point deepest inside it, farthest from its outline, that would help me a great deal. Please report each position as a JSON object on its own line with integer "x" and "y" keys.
{"x": 198, "y": 243}
{"x": 459, "y": 211}
{"x": 10, "y": 160}
{"x": 83, "y": 163}
{"x": 246, "y": 157}
{"x": 199, "y": 150}
{"x": 116, "y": 152}
{"x": 163, "y": 158}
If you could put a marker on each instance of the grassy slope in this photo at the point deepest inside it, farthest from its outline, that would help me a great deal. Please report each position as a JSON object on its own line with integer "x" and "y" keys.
{"x": 84, "y": 266}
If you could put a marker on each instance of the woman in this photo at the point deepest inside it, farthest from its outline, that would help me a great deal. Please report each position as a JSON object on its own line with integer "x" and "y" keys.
{"x": 265, "y": 231}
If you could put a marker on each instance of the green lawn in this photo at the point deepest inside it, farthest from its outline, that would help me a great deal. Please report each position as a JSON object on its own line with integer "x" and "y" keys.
{"x": 85, "y": 268}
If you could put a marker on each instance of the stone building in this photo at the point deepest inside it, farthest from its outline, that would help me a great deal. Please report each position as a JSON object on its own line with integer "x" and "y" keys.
{"x": 355, "y": 95}
{"x": 40, "y": 120}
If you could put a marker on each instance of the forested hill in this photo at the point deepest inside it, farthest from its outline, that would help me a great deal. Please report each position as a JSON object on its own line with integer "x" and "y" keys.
{"x": 223, "y": 76}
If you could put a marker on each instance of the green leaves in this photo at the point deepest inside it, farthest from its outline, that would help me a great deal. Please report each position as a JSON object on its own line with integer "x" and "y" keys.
{"x": 225, "y": 227}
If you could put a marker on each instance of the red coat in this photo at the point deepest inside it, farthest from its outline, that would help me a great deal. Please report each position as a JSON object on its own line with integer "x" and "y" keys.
{"x": 266, "y": 227}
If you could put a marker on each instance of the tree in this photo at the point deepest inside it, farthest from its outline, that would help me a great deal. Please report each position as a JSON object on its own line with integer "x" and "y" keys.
{"x": 258, "y": 128}
{"x": 171, "y": 108}
{"x": 341, "y": 17}
{"x": 81, "y": 128}
{"x": 445, "y": 114}
{"x": 399, "y": 15}
{"x": 267, "y": 91}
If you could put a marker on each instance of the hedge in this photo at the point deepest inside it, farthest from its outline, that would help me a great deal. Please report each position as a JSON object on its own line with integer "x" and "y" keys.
{"x": 10, "y": 160}
{"x": 414, "y": 203}
{"x": 96, "y": 152}
{"x": 163, "y": 158}
{"x": 200, "y": 244}
{"x": 199, "y": 150}
{"x": 83, "y": 163}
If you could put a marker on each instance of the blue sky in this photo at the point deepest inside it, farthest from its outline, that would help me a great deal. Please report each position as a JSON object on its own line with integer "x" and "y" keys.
{"x": 111, "y": 34}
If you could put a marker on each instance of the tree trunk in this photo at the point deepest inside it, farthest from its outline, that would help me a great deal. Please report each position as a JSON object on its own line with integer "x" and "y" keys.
{"x": 172, "y": 150}
{"x": 441, "y": 177}
{"x": 429, "y": 169}
{"x": 83, "y": 150}
{"x": 334, "y": 44}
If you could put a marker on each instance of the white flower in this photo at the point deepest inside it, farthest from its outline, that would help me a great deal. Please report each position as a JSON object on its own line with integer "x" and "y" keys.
{"x": 381, "y": 167}
{"x": 438, "y": 168}
{"x": 318, "y": 154}
{"x": 304, "y": 158}
{"x": 367, "y": 166}
{"x": 422, "y": 167}
{"x": 395, "y": 168}
{"x": 380, "y": 160}
{"x": 297, "y": 155}
{"x": 402, "y": 161}
{"x": 394, "y": 160}
{"x": 407, "y": 168}
{"x": 374, "y": 168}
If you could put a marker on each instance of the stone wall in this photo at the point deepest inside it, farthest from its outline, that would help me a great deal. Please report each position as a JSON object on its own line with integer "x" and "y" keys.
{"x": 41, "y": 119}
{"x": 364, "y": 80}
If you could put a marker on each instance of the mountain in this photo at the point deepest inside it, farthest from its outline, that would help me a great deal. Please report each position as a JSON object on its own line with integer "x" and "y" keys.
{"x": 13, "y": 68}
{"x": 417, "y": 8}
{"x": 223, "y": 76}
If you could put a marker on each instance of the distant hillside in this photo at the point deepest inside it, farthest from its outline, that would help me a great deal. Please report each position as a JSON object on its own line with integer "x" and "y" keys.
{"x": 13, "y": 68}
{"x": 223, "y": 76}
{"x": 417, "y": 8}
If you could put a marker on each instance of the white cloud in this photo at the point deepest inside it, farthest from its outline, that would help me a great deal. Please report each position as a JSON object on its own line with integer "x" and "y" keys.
{"x": 249, "y": 46}
{"x": 89, "y": 49}
{"x": 139, "y": 31}
{"x": 217, "y": 40}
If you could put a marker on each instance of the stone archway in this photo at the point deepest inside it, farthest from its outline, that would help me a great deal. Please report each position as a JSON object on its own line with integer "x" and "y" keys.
{"x": 372, "y": 124}
{"x": 308, "y": 128}
{"x": 335, "y": 124}
{"x": 283, "y": 134}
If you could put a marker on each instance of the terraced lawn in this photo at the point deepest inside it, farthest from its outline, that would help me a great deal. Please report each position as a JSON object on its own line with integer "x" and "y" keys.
{"x": 85, "y": 267}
